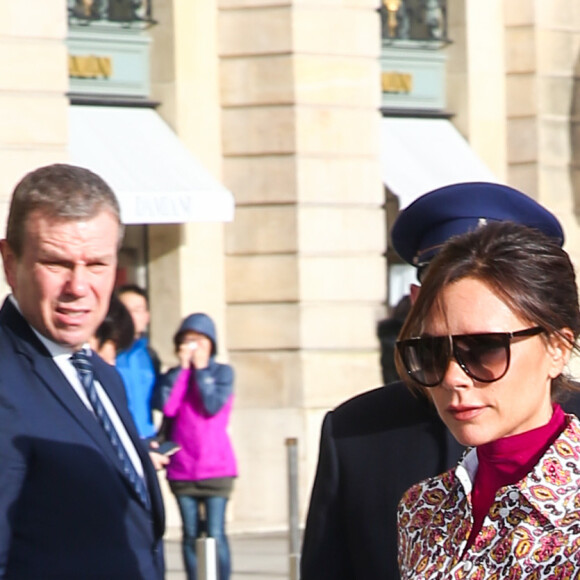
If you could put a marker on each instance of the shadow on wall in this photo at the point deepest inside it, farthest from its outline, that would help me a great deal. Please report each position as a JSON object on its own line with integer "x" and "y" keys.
{"x": 575, "y": 137}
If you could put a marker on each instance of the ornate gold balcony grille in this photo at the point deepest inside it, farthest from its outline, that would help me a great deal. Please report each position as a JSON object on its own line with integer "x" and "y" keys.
{"x": 414, "y": 20}
{"x": 126, "y": 12}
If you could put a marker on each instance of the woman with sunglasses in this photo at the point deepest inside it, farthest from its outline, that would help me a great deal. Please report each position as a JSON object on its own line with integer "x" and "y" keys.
{"x": 488, "y": 340}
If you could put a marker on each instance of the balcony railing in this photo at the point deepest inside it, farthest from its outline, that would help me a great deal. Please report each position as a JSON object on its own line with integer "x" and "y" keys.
{"x": 126, "y": 12}
{"x": 423, "y": 21}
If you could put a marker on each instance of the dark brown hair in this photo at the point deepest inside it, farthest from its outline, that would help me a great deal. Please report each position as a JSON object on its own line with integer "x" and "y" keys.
{"x": 117, "y": 326}
{"x": 527, "y": 270}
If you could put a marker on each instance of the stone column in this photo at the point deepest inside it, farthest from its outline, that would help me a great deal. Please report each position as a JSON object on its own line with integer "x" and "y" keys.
{"x": 543, "y": 78}
{"x": 186, "y": 268}
{"x": 186, "y": 262}
{"x": 305, "y": 274}
{"x": 33, "y": 86}
{"x": 476, "y": 78}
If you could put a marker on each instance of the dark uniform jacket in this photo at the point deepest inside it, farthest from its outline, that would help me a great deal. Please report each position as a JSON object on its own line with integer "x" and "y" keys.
{"x": 372, "y": 449}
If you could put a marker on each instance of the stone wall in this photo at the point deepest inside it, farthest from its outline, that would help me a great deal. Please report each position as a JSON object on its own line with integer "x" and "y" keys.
{"x": 305, "y": 272}
{"x": 33, "y": 85}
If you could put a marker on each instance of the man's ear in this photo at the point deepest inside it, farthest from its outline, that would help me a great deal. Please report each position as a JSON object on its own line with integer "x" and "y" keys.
{"x": 9, "y": 259}
{"x": 560, "y": 347}
{"x": 414, "y": 292}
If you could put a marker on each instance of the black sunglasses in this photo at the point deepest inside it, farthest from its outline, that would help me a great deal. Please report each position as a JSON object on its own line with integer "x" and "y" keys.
{"x": 484, "y": 357}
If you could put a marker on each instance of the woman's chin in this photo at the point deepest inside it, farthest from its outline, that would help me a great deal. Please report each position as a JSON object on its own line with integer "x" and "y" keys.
{"x": 470, "y": 437}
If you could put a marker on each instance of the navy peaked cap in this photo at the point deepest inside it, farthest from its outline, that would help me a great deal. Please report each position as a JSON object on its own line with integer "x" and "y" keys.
{"x": 426, "y": 224}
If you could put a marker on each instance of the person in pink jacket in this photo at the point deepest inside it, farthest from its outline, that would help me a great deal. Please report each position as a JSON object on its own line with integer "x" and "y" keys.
{"x": 198, "y": 406}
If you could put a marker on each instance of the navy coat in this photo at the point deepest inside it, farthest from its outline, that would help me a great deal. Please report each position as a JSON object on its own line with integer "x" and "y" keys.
{"x": 66, "y": 511}
{"x": 372, "y": 449}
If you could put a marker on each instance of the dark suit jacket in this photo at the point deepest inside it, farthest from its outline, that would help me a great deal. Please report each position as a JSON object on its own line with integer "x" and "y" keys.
{"x": 372, "y": 449}
{"x": 66, "y": 511}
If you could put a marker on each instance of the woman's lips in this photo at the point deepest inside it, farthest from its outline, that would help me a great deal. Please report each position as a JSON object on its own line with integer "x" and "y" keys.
{"x": 464, "y": 412}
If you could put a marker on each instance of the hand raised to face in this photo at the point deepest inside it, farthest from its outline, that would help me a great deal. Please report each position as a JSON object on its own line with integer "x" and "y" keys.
{"x": 195, "y": 349}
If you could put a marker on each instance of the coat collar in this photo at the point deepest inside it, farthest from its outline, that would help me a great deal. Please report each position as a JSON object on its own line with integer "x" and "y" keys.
{"x": 550, "y": 488}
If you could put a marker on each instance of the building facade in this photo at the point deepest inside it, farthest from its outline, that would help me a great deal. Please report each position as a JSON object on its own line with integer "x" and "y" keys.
{"x": 281, "y": 103}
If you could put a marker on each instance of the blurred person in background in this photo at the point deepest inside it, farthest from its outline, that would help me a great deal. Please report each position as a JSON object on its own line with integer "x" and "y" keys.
{"x": 197, "y": 397}
{"x": 387, "y": 332}
{"x": 115, "y": 333}
{"x": 139, "y": 364}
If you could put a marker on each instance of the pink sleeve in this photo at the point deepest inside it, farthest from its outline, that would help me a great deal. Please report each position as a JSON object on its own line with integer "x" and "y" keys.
{"x": 177, "y": 393}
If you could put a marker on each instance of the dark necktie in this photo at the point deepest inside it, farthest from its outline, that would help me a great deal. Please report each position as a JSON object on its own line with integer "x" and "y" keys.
{"x": 84, "y": 367}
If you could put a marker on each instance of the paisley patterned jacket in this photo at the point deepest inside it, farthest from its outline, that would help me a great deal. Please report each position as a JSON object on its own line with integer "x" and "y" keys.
{"x": 532, "y": 530}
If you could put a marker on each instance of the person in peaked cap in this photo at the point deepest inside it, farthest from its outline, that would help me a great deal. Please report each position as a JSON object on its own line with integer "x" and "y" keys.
{"x": 374, "y": 446}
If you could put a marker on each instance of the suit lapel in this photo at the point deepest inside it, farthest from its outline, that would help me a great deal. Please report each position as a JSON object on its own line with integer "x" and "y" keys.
{"x": 27, "y": 344}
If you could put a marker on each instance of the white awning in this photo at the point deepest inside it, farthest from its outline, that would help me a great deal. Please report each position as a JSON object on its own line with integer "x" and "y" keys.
{"x": 156, "y": 179}
{"x": 418, "y": 155}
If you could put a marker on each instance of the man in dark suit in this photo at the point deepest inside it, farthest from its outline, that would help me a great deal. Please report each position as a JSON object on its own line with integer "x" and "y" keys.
{"x": 79, "y": 496}
{"x": 376, "y": 445}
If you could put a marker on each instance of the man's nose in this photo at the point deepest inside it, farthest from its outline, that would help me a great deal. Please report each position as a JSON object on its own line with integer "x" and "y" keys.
{"x": 77, "y": 282}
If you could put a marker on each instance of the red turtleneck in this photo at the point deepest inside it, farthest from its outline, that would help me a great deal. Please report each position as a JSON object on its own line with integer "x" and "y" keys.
{"x": 506, "y": 461}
